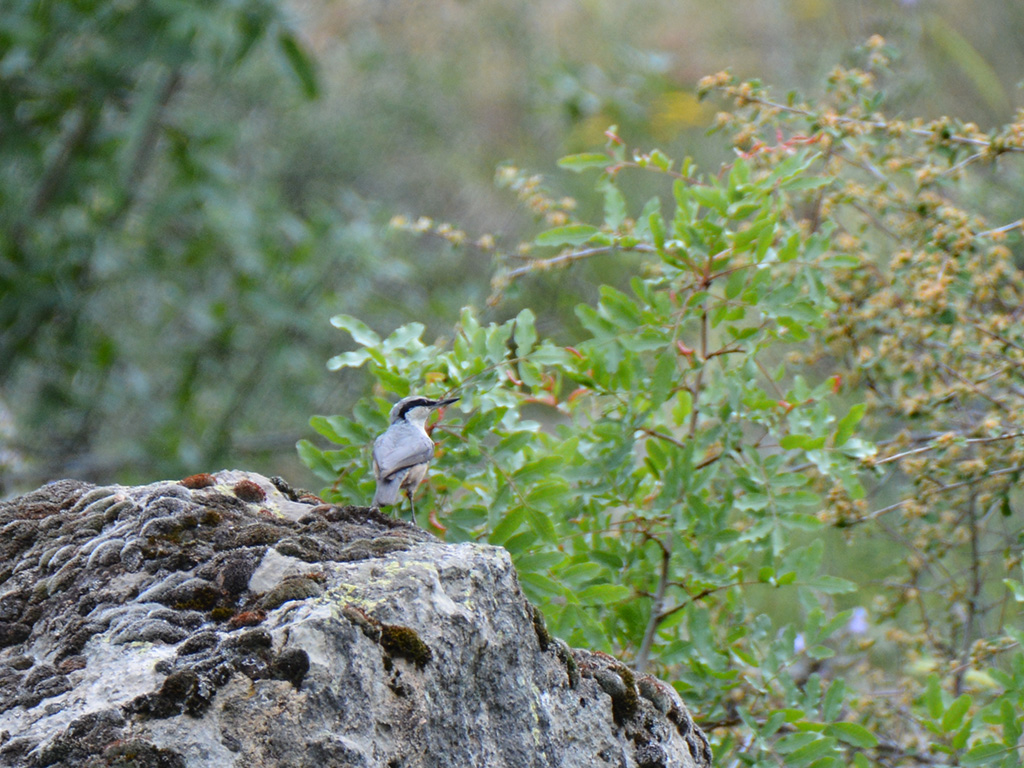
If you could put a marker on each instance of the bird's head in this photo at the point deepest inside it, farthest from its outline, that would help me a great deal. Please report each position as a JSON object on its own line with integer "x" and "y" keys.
{"x": 415, "y": 409}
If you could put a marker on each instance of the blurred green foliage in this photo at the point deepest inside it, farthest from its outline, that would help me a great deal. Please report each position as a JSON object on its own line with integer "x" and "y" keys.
{"x": 139, "y": 268}
{"x": 188, "y": 193}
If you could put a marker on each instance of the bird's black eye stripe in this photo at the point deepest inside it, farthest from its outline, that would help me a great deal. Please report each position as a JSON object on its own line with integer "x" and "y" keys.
{"x": 418, "y": 402}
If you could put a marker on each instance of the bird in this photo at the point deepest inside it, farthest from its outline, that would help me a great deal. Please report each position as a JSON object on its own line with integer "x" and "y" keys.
{"x": 403, "y": 452}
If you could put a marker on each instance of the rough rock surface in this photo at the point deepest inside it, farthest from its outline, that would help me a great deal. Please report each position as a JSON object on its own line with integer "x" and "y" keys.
{"x": 226, "y": 621}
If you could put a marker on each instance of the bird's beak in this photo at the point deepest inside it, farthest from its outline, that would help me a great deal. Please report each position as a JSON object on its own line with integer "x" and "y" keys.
{"x": 443, "y": 403}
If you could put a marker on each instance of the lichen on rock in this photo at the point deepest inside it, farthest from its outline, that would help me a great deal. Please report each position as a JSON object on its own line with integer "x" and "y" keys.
{"x": 228, "y": 620}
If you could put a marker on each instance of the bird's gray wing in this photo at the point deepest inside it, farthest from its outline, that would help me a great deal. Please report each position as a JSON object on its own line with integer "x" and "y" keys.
{"x": 395, "y": 451}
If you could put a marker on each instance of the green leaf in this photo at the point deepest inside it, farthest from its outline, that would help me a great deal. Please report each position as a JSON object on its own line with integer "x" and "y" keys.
{"x": 583, "y": 161}
{"x": 323, "y": 425}
{"x": 795, "y": 741}
{"x": 832, "y": 585}
{"x": 508, "y": 525}
{"x": 852, "y": 733}
{"x": 525, "y": 541}
{"x": 775, "y": 721}
{"x": 660, "y": 160}
{"x": 404, "y": 336}
{"x": 738, "y": 212}
{"x": 515, "y": 442}
{"x": 1011, "y": 722}
{"x": 614, "y": 204}
{"x": 802, "y": 442}
{"x": 340, "y": 430}
{"x": 983, "y": 754}
{"x": 841, "y": 619}
{"x": 608, "y": 559}
{"x": 361, "y": 333}
{"x": 548, "y": 492}
{"x": 657, "y": 225}
{"x": 353, "y": 359}
{"x": 1017, "y": 588}
{"x": 819, "y": 652}
{"x": 542, "y": 524}
{"x": 683, "y": 407}
{"x": 301, "y": 64}
{"x": 549, "y": 354}
{"x": 832, "y": 703}
{"x": 525, "y": 332}
{"x": 541, "y": 583}
{"x": 955, "y": 714}
{"x": 539, "y": 561}
{"x": 620, "y": 308}
{"x": 739, "y": 176}
{"x": 959, "y": 741}
{"x": 665, "y": 376}
{"x": 571, "y": 234}
{"x": 735, "y": 283}
{"x": 538, "y": 469}
{"x": 840, "y": 260}
{"x": 710, "y": 197}
{"x": 849, "y": 422}
{"x": 791, "y": 249}
{"x": 797, "y": 332}
{"x": 496, "y": 342}
{"x": 580, "y": 572}
{"x": 314, "y": 458}
{"x": 600, "y": 327}
{"x": 933, "y": 697}
{"x": 793, "y": 166}
{"x": 604, "y": 593}
{"x": 804, "y": 183}
{"x": 811, "y": 752}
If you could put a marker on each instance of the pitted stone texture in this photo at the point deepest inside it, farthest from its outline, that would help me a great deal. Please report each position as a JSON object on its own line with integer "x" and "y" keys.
{"x": 193, "y": 628}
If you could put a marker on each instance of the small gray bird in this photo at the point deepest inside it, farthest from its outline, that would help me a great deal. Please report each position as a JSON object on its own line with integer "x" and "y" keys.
{"x": 401, "y": 455}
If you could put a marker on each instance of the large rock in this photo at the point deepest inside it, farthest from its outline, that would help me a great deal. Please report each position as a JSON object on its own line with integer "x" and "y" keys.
{"x": 224, "y": 621}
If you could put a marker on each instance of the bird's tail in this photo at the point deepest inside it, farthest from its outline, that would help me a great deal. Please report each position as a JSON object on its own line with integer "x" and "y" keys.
{"x": 387, "y": 492}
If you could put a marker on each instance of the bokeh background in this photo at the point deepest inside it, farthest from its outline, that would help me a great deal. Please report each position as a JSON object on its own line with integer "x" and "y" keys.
{"x": 189, "y": 191}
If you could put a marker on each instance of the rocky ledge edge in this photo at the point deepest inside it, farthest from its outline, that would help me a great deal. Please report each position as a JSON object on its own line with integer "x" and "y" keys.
{"x": 227, "y": 620}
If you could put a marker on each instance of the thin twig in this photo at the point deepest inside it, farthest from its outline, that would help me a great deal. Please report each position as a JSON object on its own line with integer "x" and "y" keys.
{"x": 862, "y": 163}
{"x": 972, "y": 598}
{"x": 923, "y": 448}
{"x": 971, "y": 385}
{"x": 878, "y": 125}
{"x": 942, "y": 489}
{"x": 997, "y": 337}
{"x": 654, "y": 621}
{"x": 79, "y": 129}
{"x": 570, "y": 256}
{"x": 667, "y": 438}
{"x": 1018, "y": 224}
{"x": 981, "y": 478}
{"x": 964, "y": 163}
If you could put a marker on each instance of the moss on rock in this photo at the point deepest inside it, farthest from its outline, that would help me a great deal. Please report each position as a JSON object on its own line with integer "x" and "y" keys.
{"x": 292, "y": 588}
{"x": 403, "y": 642}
